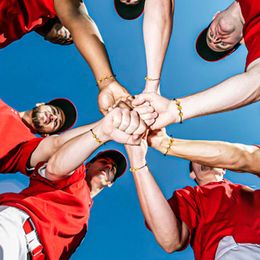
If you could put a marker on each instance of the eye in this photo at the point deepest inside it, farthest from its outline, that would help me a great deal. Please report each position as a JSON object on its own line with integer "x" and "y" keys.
{"x": 223, "y": 44}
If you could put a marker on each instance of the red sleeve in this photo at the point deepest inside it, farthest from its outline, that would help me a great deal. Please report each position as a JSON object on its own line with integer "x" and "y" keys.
{"x": 17, "y": 159}
{"x": 184, "y": 206}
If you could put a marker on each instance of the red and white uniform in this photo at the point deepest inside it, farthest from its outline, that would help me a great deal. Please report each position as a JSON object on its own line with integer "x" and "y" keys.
{"x": 251, "y": 12}
{"x": 215, "y": 211}
{"x": 17, "y": 141}
{"x": 59, "y": 210}
{"x": 18, "y": 17}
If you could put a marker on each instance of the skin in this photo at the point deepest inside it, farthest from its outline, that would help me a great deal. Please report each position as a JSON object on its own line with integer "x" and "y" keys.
{"x": 170, "y": 233}
{"x": 47, "y": 120}
{"x": 232, "y": 156}
{"x": 226, "y": 29}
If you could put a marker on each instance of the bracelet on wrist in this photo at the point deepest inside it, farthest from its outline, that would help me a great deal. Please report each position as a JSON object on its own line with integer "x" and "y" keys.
{"x": 179, "y": 107}
{"x": 170, "y": 144}
{"x": 101, "y": 80}
{"x": 151, "y": 79}
{"x": 134, "y": 170}
{"x": 95, "y": 137}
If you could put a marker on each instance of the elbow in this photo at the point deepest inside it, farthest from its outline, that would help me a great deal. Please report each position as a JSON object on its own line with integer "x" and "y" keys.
{"x": 171, "y": 247}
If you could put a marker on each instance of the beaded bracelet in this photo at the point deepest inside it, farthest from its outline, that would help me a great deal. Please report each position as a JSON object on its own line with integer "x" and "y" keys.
{"x": 95, "y": 137}
{"x": 170, "y": 144}
{"x": 134, "y": 170}
{"x": 99, "y": 81}
{"x": 179, "y": 107}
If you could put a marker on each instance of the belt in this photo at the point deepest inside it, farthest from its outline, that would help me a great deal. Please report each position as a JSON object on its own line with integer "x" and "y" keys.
{"x": 35, "y": 248}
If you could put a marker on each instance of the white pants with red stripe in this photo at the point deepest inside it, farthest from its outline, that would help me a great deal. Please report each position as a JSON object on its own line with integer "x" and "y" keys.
{"x": 13, "y": 244}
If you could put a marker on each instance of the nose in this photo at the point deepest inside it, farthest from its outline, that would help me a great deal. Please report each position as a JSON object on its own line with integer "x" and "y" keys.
{"x": 53, "y": 117}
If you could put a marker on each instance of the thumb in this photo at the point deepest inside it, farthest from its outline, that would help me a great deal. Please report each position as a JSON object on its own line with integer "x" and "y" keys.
{"x": 141, "y": 99}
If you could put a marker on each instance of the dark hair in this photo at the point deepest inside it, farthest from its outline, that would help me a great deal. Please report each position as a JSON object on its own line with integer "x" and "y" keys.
{"x": 190, "y": 166}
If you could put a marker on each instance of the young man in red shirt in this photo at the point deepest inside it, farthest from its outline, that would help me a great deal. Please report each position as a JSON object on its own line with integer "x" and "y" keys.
{"x": 239, "y": 22}
{"x": 220, "y": 220}
{"x": 49, "y": 218}
{"x": 19, "y": 128}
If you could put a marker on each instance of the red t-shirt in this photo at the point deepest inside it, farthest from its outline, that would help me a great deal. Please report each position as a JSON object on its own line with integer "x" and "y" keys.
{"x": 216, "y": 210}
{"x": 17, "y": 160}
{"x": 251, "y": 12}
{"x": 18, "y": 17}
{"x": 60, "y": 211}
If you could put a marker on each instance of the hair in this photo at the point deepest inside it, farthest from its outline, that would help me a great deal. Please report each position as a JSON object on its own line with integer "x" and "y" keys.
{"x": 190, "y": 166}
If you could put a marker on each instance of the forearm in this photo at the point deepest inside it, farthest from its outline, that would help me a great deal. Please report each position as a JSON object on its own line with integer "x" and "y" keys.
{"x": 236, "y": 157}
{"x": 73, "y": 153}
{"x": 232, "y": 93}
{"x": 157, "y": 28}
{"x": 86, "y": 37}
{"x": 156, "y": 210}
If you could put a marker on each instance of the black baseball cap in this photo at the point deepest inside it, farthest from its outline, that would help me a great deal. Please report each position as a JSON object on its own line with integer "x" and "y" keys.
{"x": 69, "y": 111}
{"x": 206, "y": 53}
{"x": 129, "y": 12}
{"x": 117, "y": 157}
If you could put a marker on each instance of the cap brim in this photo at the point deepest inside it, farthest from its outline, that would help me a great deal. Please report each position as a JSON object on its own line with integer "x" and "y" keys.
{"x": 129, "y": 12}
{"x": 117, "y": 157}
{"x": 69, "y": 111}
{"x": 207, "y": 53}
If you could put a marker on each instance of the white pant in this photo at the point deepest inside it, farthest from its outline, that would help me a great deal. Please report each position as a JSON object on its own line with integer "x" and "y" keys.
{"x": 228, "y": 249}
{"x": 13, "y": 244}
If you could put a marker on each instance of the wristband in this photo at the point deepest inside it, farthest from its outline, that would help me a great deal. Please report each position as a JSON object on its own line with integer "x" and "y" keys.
{"x": 95, "y": 137}
{"x": 101, "y": 80}
{"x": 179, "y": 107}
{"x": 170, "y": 144}
{"x": 151, "y": 79}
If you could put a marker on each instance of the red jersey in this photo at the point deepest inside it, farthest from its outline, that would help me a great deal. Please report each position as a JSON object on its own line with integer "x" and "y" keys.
{"x": 251, "y": 12}
{"x": 18, "y": 17}
{"x": 216, "y": 210}
{"x": 60, "y": 211}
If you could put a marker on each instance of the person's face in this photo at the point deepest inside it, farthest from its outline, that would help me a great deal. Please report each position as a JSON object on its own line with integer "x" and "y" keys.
{"x": 59, "y": 35}
{"x": 47, "y": 119}
{"x": 130, "y": 2}
{"x": 223, "y": 33}
{"x": 201, "y": 173}
{"x": 102, "y": 171}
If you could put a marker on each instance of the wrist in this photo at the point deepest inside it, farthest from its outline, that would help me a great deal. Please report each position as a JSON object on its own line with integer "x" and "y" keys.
{"x": 106, "y": 81}
{"x": 98, "y": 131}
{"x": 174, "y": 112}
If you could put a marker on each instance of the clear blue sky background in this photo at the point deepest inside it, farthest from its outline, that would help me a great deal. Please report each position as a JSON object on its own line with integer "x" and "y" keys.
{"x": 34, "y": 70}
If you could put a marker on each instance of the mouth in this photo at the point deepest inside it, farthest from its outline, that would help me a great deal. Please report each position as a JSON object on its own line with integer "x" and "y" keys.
{"x": 47, "y": 118}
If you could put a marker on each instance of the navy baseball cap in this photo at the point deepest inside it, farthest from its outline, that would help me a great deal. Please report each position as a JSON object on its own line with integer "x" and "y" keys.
{"x": 206, "y": 53}
{"x": 129, "y": 12}
{"x": 69, "y": 111}
{"x": 117, "y": 157}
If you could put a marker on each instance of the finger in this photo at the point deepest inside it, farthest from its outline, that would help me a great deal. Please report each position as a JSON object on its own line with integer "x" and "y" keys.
{"x": 125, "y": 120}
{"x": 142, "y": 98}
{"x": 134, "y": 123}
{"x": 149, "y": 116}
{"x": 141, "y": 128}
{"x": 144, "y": 109}
{"x": 125, "y": 105}
{"x": 149, "y": 122}
{"x": 116, "y": 117}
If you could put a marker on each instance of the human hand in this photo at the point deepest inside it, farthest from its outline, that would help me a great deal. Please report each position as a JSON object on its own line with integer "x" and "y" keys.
{"x": 158, "y": 139}
{"x": 123, "y": 126}
{"x": 59, "y": 35}
{"x": 137, "y": 153}
{"x": 110, "y": 95}
{"x": 165, "y": 108}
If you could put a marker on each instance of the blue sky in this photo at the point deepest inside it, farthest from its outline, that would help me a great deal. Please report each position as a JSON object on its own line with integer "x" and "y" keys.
{"x": 34, "y": 70}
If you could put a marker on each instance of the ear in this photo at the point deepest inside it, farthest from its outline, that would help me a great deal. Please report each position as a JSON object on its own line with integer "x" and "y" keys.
{"x": 193, "y": 175}
{"x": 110, "y": 184}
{"x": 215, "y": 15}
{"x": 39, "y": 104}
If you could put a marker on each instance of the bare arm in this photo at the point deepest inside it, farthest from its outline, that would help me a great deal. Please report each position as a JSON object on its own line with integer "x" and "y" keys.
{"x": 170, "y": 233}
{"x": 235, "y": 92}
{"x": 157, "y": 28}
{"x": 51, "y": 144}
{"x": 236, "y": 157}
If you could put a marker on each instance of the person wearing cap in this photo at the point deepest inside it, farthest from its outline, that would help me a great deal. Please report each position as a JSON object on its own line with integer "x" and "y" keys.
{"x": 50, "y": 217}
{"x": 230, "y": 156}
{"x": 219, "y": 219}
{"x": 18, "y": 129}
{"x": 61, "y": 22}
{"x": 157, "y": 28}
{"x": 236, "y": 24}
